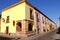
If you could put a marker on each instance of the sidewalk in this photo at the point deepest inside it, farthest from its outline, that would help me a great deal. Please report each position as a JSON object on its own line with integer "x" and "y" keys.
{"x": 26, "y": 38}
{"x": 35, "y": 36}
{"x": 32, "y": 37}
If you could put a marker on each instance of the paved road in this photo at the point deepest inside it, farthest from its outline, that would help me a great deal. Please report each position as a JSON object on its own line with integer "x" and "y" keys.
{"x": 50, "y": 36}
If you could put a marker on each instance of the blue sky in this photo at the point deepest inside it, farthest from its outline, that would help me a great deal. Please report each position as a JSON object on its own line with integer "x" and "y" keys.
{"x": 51, "y": 8}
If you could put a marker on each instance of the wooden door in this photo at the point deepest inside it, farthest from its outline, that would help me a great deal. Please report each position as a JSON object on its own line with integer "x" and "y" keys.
{"x": 7, "y": 30}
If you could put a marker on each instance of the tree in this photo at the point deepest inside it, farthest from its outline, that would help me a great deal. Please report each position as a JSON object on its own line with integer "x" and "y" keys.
{"x": 0, "y": 15}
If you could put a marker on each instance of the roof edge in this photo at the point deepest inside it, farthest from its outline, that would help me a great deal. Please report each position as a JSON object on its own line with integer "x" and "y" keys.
{"x": 13, "y": 5}
{"x": 40, "y": 11}
{"x": 30, "y": 5}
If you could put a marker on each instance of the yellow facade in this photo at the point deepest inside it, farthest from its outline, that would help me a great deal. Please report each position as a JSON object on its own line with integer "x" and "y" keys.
{"x": 19, "y": 12}
{"x": 28, "y": 11}
{"x": 27, "y": 14}
{"x": 15, "y": 13}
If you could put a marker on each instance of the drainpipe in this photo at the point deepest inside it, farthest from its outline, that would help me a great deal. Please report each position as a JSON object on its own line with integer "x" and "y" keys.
{"x": 36, "y": 24}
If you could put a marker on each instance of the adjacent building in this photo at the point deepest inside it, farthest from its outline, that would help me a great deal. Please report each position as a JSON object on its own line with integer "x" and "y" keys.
{"x": 23, "y": 19}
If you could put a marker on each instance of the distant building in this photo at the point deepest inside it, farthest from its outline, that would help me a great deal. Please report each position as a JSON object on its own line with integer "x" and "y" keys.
{"x": 24, "y": 19}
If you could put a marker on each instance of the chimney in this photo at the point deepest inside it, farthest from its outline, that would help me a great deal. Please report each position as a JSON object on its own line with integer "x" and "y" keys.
{"x": 24, "y": 0}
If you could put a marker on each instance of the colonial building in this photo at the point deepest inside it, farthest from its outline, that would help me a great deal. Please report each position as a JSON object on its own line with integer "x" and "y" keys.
{"x": 24, "y": 19}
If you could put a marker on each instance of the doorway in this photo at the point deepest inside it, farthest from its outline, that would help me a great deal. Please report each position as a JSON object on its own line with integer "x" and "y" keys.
{"x": 19, "y": 26}
{"x": 30, "y": 27}
{"x": 7, "y": 30}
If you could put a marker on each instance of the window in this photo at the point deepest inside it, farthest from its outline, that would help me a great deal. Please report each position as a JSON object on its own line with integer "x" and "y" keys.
{"x": 7, "y": 20}
{"x": 42, "y": 20}
{"x": 13, "y": 23}
{"x": 3, "y": 19}
{"x": 47, "y": 30}
{"x": 37, "y": 17}
{"x": 50, "y": 26}
{"x": 31, "y": 15}
{"x": 44, "y": 29}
